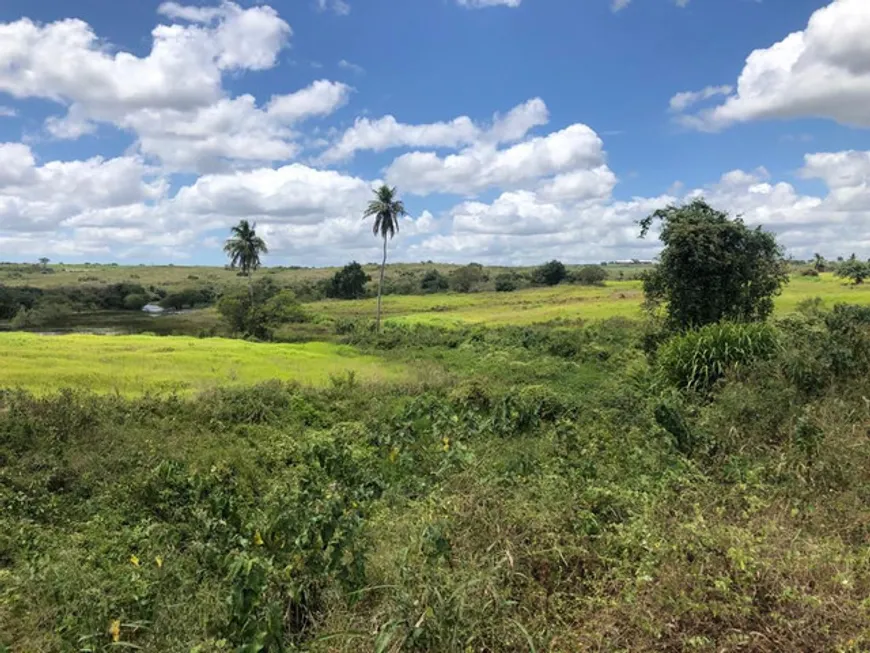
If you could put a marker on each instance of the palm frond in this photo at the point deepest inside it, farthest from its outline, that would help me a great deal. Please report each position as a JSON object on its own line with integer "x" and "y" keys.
{"x": 244, "y": 247}
{"x": 386, "y": 210}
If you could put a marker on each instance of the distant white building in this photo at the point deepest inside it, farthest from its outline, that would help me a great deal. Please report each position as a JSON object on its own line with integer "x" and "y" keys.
{"x": 154, "y": 309}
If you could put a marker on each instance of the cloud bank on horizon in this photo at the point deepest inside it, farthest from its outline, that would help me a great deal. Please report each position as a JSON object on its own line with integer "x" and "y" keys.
{"x": 148, "y": 151}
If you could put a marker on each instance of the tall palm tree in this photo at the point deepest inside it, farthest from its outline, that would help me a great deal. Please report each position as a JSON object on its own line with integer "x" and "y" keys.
{"x": 387, "y": 208}
{"x": 244, "y": 248}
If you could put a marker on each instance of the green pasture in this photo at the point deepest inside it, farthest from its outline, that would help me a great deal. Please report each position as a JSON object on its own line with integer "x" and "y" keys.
{"x": 521, "y": 307}
{"x": 830, "y": 289}
{"x": 132, "y": 365}
{"x": 616, "y": 298}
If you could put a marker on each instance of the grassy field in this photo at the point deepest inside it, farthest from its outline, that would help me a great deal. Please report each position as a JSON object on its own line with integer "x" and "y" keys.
{"x": 132, "y": 365}
{"x": 829, "y": 288}
{"x": 521, "y": 307}
{"x": 616, "y": 298}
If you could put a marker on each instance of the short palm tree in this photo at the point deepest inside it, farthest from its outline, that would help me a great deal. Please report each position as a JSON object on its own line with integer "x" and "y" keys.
{"x": 244, "y": 248}
{"x": 387, "y": 208}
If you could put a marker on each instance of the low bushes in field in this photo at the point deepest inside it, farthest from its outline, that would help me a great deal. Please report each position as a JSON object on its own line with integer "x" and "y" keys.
{"x": 43, "y": 313}
{"x": 468, "y": 278}
{"x": 549, "y": 274}
{"x": 34, "y": 307}
{"x": 348, "y": 283}
{"x": 588, "y": 275}
{"x": 187, "y": 298}
{"x": 258, "y": 310}
{"x": 845, "y": 332}
{"x": 698, "y": 358}
{"x": 506, "y": 282}
{"x": 433, "y": 281}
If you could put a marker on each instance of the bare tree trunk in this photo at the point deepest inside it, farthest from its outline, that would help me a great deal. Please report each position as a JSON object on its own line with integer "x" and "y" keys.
{"x": 381, "y": 284}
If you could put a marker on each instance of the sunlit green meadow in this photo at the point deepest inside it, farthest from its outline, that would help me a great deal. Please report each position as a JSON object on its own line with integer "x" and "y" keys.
{"x": 495, "y": 308}
{"x": 832, "y": 290}
{"x": 616, "y": 298}
{"x": 133, "y": 365}
{"x": 137, "y": 364}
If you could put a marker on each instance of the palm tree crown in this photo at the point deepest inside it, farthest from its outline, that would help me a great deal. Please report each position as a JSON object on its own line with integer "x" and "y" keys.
{"x": 387, "y": 210}
{"x": 244, "y": 247}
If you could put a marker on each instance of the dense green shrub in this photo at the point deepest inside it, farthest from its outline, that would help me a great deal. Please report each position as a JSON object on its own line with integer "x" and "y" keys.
{"x": 698, "y": 358}
{"x": 506, "y": 282}
{"x": 188, "y": 298}
{"x": 43, "y": 314}
{"x": 109, "y": 297}
{"x": 348, "y": 283}
{"x": 468, "y": 277}
{"x": 712, "y": 268}
{"x": 258, "y": 310}
{"x": 284, "y": 308}
{"x": 549, "y": 274}
{"x": 854, "y": 269}
{"x": 24, "y": 318}
{"x": 310, "y": 291}
{"x": 844, "y": 333}
{"x": 588, "y": 275}
{"x": 135, "y": 301}
{"x": 433, "y": 281}
{"x": 84, "y": 297}
{"x": 405, "y": 282}
{"x": 12, "y": 298}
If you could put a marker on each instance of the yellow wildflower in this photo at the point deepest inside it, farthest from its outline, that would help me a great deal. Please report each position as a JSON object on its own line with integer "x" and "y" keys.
{"x": 446, "y": 442}
{"x": 134, "y": 560}
{"x": 115, "y": 630}
{"x": 394, "y": 453}
{"x": 159, "y": 561}
{"x": 258, "y": 539}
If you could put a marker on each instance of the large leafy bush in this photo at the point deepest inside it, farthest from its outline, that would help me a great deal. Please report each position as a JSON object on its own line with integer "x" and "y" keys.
{"x": 712, "y": 268}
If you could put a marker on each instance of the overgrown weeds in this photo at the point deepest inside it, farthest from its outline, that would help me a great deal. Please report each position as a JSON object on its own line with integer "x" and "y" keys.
{"x": 545, "y": 492}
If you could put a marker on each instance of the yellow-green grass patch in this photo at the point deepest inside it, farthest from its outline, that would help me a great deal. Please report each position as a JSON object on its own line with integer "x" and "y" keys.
{"x": 133, "y": 365}
{"x": 528, "y": 306}
{"x": 832, "y": 290}
{"x": 496, "y": 308}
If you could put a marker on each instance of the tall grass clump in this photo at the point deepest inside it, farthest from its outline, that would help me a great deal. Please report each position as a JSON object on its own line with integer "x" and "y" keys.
{"x": 697, "y": 359}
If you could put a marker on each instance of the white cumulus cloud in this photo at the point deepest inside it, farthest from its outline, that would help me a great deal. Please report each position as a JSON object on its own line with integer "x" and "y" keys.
{"x": 483, "y": 166}
{"x": 822, "y": 71}
{"x": 387, "y": 132}
{"x": 173, "y": 99}
{"x": 41, "y": 198}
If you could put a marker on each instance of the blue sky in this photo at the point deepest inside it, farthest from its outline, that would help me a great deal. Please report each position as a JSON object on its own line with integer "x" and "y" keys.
{"x": 517, "y": 131}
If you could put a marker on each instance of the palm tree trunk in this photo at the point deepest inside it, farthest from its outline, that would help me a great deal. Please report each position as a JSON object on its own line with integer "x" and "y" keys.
{"x": 381, "y": 283}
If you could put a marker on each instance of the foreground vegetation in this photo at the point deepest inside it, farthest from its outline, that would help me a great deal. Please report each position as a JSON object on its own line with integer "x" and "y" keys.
{"x": 548, "y": 489}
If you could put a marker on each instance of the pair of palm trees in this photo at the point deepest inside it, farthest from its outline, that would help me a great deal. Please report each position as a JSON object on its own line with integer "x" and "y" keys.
{"x": 244, "y": 246}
